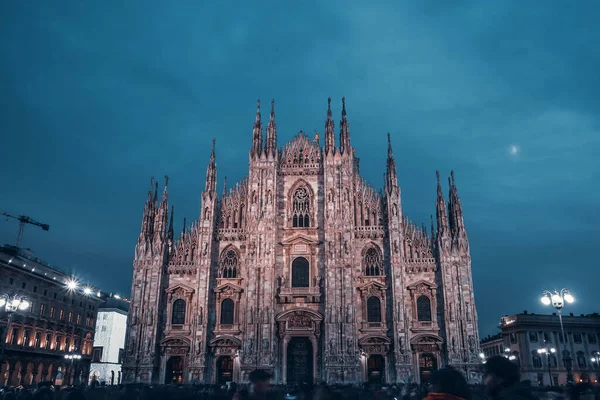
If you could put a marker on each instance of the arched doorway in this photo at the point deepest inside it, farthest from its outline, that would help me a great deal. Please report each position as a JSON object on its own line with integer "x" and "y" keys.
{"x": 224, "y": 369}
{"x": 376, "y": 368}
{"x": 174, "y": 370}
{"x": 299, "y": 361}
{"x": 427, "y": 364}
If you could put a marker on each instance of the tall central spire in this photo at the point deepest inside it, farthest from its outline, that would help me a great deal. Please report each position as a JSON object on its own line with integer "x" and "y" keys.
{"x": 271, "y": 145}
{"x": 329, "y": 131}
{"x": 344, "y": 130}
{"x": 257, "y": 132}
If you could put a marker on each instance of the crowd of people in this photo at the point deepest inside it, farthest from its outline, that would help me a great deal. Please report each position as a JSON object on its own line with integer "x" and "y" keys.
{"x": 502, "y": 381}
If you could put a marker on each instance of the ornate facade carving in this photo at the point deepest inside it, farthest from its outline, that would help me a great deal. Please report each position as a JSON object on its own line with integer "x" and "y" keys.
{"x": 302, "y": 252}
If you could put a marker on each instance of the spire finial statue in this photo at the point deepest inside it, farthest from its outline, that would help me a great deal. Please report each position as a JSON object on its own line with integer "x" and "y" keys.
{"x": 437, "y": 174}
{"x": 343, "y": 106}
{"x": 272, "y": 106}
{"x": 166, "y": 181}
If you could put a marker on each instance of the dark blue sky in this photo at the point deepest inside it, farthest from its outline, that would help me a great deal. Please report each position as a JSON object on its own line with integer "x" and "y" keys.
{"x": 99, "y": 96}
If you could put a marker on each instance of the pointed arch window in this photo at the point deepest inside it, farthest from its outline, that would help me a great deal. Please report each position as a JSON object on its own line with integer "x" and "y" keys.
{"x": 229, "y": 265}
{"x": 178, "y": 314}
{"x": 423, "y": 308}
{"x": 300, "y": 272}
{"x": 227, "y": 307}
{"x": 301, "y": 208}
{"x": 373, "y": 262}
{"x": 373, "y": 309}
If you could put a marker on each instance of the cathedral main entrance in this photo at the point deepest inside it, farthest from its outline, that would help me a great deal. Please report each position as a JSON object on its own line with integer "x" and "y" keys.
{"x": 224, "y": 369}
{"x": 174, "y": 371}
{"x": 299, "y": 361}
{"x": 376, "y": 368}
{"x": 427, "y": 364}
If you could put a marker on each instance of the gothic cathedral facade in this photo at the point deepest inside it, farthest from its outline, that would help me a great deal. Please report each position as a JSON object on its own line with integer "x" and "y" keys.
{"x": 304, "y": 270}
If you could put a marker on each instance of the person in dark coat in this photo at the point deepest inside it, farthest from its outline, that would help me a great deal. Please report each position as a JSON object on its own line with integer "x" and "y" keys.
{"x": 502, "y": 380}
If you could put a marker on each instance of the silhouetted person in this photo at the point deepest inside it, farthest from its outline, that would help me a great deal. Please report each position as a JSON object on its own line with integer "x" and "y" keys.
{"x": 448, "y": 384}
{"x": 502, "y": 380}
{"x": 261, "y": 382}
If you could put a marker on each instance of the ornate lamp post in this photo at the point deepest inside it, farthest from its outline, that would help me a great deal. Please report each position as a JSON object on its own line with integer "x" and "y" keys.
{"x": 548, "y": 351}
{"x": 557, "y": 300}
{"x": 72, "y": 357}
{"x": 11, "y": 305}
{"x": 596, "y": 361}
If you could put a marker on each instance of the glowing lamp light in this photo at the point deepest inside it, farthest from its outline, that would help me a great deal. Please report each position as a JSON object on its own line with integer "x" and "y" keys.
{"x": 2, "y": 302}
{"x": 512, "y": 358}
{"x": 545, "y": 300}
{"x": 556, "y": 299}
{"x": 87, "y": 290}
{"x": 24, "y": 305}
{"x": 481, "y": 355}
{"x": 553, "y": 350}
{"x": 15, "y": 302}
{"x": 72, "y": 284}
{"x": 569, "y": 298}
{"x": 99, "y": 294}
{"x": 116, "y": 296}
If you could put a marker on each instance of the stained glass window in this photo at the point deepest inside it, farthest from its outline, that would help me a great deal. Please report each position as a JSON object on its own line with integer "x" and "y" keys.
{"x": 178, "y": 317}
{"x": 423, "y": 308}
{"x": 227, "y": 308}
{"x": 373, "y": 309}
{"x": 229, "y": 264}
{"x": 300, "y": 272}
{"x": 373, "y": 265}
{"x": 301, "y": 209}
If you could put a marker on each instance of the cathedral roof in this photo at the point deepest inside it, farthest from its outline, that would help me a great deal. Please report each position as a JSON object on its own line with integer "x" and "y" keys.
{"x": 301, "y": 151}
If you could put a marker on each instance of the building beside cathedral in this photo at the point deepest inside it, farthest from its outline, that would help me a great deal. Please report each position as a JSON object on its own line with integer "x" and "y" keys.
{"x": 304, "y": 270}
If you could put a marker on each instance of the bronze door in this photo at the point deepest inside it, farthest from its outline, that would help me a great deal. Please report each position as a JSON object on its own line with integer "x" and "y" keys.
{"x": 376, "y": 368}
{"x": 299, "y": 361}
{"x": 427, "y": 364}
{"x": 224, "y": 369}
{"x": 174, "y": 371}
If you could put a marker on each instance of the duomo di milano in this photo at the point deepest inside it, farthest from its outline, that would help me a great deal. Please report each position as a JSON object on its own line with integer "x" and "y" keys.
{"x": 302, "y": 269}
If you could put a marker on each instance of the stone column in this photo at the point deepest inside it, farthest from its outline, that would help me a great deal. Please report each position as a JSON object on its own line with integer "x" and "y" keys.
{"x": 285, "y": 342}
{"x": 314, "y": 342}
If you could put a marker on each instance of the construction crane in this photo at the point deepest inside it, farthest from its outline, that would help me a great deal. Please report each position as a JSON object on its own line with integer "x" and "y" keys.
{"x": 23, "y": 219}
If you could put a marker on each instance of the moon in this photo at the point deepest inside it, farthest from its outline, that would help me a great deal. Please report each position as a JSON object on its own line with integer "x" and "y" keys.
{"x": 514, "y": 150}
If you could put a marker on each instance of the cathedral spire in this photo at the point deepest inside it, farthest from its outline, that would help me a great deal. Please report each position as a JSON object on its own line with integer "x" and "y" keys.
{"x": 149, "y": 211}
{"x": 344, "y": 130}
{"x": 170, "y": 232}
{"x": 211, "y": 171}
{"x": 329, "y": 131}
{"x": 391, "y": 173}
{"x": 456, "y": 223}
{"x": 224, "y": 187}
{"x": 257, "y": 132}
{"x": 162, "y": 215}
{"x": 271, "y": 145}
{"x": 443, "y": 228}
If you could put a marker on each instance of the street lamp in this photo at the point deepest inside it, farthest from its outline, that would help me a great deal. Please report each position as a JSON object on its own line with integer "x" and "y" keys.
{"x": 11, "y": 305}
{"x": 596, "y": 360}
{"x": 557, "y": 300}
{"x": 72, "y": 357}
{"x": 548, "y": 351}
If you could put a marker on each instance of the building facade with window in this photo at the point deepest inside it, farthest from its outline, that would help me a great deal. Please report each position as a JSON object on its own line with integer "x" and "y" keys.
{"x": 109, "y": 341}
{"x": 59, "y": 321}
{"x": 524, "y": 334}
{"x": 302, "y": 269}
